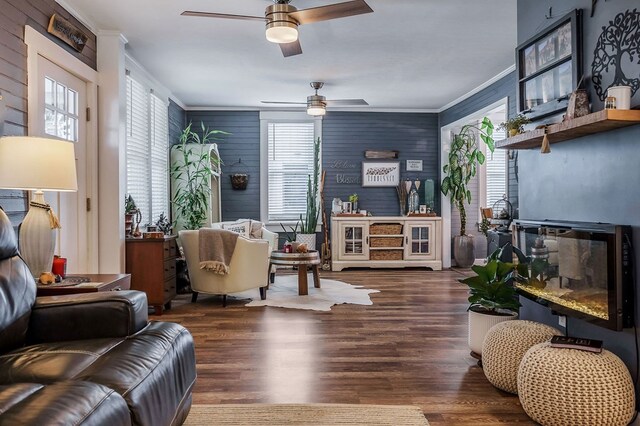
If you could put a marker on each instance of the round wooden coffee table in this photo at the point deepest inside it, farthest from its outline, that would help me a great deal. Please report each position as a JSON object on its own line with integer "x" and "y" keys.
{"x": 302, "y": 261}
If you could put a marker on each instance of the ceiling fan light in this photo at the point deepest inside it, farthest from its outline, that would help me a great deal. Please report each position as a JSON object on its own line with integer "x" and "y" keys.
{"x": 282, "y": 34}
{"x": 316, "y": 110}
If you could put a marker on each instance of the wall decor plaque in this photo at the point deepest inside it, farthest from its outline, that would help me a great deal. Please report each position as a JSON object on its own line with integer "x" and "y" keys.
{"x": 67, "y": 32}
{"x": 380, "y": 173}
{"x": 372, "y": 154}
{"x": 414, "y": 165}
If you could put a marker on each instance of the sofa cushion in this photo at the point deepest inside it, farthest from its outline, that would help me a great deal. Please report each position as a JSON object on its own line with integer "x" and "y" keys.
{"x": 153, "y": 370}
{"x": 17, "y": 290}
{"x": 64, "y": 403}
{"x": 243, "y": 228}
{"x": 256, "y": 229}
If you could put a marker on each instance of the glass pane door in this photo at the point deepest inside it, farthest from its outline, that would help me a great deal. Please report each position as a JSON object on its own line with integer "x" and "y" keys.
{"x": 419, "y": 244}
{"x": 354, "y": 237}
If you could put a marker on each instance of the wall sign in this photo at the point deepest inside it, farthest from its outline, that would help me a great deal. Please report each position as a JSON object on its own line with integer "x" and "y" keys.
{"x": 342, "y": 164}
{"x": 615, "y": 53}
{"x": 380, "y": 173}
{"x": 343, "y": 179}
{"x": 67, "y": 32}
{"x": 414, "y": 165}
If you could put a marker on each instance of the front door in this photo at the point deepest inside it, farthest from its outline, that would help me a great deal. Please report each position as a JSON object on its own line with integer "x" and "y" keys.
{"x": 62, "y": 109}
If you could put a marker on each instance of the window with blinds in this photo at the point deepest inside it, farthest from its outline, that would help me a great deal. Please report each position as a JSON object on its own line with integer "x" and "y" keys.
{"x": 290, "y": 163}
{"x": 496, "y": 172}
{"x": 147, "y": 150}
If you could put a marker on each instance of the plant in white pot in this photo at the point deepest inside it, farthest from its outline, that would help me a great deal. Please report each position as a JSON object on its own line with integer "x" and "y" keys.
{"x": 492, "y": 298}
{"x": 309, "y": 221}
{"x": 464, "y": 158}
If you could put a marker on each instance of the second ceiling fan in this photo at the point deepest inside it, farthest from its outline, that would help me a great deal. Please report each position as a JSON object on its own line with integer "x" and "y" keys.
{"x": 282, "y": 20}
{"x": 317, "y": 104}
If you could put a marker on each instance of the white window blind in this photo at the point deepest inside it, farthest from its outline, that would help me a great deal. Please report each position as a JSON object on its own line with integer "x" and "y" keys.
{"x": 290, "y": 163}
{"x": 147, "y": 150}
{"x": 496, "y": 172}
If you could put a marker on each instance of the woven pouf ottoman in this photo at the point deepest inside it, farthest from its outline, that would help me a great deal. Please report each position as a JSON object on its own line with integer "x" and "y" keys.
{"x": 560, "y": 387}
{"x": 504, "y": 346}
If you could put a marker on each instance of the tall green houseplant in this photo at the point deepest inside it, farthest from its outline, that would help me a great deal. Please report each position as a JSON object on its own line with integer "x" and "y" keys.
{"x": 309, "y": 221}
{"x": 191, "y": 172}
{"x": 464, "y": 158}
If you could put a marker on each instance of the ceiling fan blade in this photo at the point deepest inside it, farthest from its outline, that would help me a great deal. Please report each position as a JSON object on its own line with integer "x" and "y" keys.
{"x": 222, "y": 15}
{"x": 291, "y": 49}
{"x": 346, "y": 102}
{"x": 332, "y": 11}
{"x": 284, "y": 103}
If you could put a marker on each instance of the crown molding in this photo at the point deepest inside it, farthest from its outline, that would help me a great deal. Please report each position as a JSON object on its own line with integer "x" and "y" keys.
{"x": 84, "y": 19}
{"x": 478, "y": 89}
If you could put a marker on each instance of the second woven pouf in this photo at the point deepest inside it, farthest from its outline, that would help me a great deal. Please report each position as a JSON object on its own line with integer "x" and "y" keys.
{"x": 504, "y": 346}
{"x": 559, "y": 387}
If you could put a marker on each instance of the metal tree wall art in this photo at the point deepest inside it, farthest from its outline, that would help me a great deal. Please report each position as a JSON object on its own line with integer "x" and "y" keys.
{"x": 616, "y": 59}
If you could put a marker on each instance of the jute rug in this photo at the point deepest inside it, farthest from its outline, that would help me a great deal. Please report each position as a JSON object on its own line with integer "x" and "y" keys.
{"x": 284, "y": 294}
{"x": 305, "y": 414}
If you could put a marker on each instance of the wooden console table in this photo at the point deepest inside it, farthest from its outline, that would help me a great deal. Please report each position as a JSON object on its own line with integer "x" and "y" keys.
{"x": 98, "y": 282}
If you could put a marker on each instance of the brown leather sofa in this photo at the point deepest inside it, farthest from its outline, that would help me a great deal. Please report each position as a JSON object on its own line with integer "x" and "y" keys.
{"x": 91, "y": 359}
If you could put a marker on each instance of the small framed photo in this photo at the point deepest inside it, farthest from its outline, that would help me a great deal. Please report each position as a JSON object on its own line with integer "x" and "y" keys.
{"x": 414, "y": 165}
{"x": 346, "y": 207}
{"x": 380, "y": 173}
{"x": 530, "y": 60}
{"x": 547, "y": 50}
{"x": 423, "y": 208}
{"x": 564, "y": 41}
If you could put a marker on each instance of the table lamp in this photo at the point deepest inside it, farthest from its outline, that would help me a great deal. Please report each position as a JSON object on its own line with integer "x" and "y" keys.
{"x": 38, "y": 164}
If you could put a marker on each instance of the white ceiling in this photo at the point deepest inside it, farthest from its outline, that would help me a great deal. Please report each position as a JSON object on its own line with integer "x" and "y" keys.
{"x": 407, "y": 55}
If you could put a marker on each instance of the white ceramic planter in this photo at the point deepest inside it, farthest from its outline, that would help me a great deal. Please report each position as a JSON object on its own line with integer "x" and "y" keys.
{"x": 479, "y": 325}
{"x": 308, "y": 239}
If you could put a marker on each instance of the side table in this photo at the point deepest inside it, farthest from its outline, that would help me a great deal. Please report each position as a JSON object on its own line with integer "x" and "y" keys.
{"x": 97, "y": 282}
{"x": 302, "y": 261}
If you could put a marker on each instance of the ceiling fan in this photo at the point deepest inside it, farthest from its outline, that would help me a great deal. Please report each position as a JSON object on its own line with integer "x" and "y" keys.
{"x": 282, "y": 20}
{"x": 317, "y": 104}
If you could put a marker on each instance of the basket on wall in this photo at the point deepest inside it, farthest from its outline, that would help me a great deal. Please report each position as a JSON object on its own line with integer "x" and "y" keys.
{"x": 239, "y": 181}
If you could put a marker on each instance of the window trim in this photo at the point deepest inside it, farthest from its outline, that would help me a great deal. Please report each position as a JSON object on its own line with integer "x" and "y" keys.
{"x": 267, "y": 117}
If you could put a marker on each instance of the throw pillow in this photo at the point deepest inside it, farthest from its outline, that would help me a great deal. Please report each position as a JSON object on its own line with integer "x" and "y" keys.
{"x": 242, "y": 228}
{"x": 256, "y": 230}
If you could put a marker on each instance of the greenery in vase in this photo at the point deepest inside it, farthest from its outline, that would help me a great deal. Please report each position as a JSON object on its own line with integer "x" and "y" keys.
{"x": 516, "y": 124}
{"x": 192, "y": 174}
{"x": 129, "y": 205}
{"x": 291, "y": 236}
{"x": 309, "y": 221}
{"x": 353, "y": 198}
{"x": 491, "y": 290}
{"x": 464, "y": 157}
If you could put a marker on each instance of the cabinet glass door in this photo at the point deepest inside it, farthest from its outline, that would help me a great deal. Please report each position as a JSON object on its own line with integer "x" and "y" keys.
{"x": 419, "y": 237}
{"x": 354, "y": 236}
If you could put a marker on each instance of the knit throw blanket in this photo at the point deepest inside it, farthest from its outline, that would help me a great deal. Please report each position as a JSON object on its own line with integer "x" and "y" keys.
{"x": 216, "y": 248}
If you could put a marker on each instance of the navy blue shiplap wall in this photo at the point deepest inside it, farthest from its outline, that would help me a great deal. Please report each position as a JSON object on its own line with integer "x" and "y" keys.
{"x": 177, "y": 122}
{"x": 503, "y": 88}
{"x": 593, "y": 178}
{"x": 346, "y": 135}
{"x": 242, "y": 144}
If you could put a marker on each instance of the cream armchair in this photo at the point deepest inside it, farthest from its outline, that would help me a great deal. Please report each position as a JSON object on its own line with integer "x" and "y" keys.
{"x": 248, "y": 268}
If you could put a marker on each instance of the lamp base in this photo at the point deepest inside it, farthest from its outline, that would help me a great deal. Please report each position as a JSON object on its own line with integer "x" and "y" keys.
{"x": 37, "y": 238}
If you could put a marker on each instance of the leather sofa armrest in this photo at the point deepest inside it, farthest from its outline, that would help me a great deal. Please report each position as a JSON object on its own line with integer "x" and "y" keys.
{"x": 87, "y": 316}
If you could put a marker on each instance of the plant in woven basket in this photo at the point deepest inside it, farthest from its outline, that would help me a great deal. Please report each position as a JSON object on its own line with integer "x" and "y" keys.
{"x": 192, "y": 174}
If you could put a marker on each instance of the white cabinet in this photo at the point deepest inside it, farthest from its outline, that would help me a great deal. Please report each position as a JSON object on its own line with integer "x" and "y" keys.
{"x": 386, "y": 242}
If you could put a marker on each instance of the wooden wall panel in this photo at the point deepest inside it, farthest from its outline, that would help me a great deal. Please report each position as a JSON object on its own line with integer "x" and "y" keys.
{"x": 14, "y": 15}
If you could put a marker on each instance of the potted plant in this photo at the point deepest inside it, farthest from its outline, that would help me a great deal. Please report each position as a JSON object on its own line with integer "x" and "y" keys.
{"x": 464, "y": 158}
{"x": 309, "y": 221}
{"x": 353, "y": 199}
{"x": 515, "y": 125}
{"x": 130, "y": 210}
{"x": 492, "y": 297}
{"x": 191, "y": 172}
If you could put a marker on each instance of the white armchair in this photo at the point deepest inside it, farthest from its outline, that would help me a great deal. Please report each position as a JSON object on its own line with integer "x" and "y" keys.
{"x": 248, "y": 268}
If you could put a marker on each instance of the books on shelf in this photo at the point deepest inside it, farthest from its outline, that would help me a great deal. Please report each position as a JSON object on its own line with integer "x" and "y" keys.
{"x": 590, "y": 345}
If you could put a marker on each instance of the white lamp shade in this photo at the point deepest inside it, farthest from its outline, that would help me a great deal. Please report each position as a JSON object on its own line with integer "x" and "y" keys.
{"x": 32, "y": 163}
{"x": 284, "y": 33}
{"x": 316, "y": 110}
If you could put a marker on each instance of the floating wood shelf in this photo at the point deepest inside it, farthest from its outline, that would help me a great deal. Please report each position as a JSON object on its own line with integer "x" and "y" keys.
{"x": 597, "y": 122}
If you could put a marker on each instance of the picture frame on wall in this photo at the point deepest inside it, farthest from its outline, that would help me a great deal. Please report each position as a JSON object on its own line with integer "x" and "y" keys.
{"x": 380, "y": 173}
{"x": 549, "y": 67}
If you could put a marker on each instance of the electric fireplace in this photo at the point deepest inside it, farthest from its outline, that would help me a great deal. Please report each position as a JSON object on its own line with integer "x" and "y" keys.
{"x": 579, "y": 269}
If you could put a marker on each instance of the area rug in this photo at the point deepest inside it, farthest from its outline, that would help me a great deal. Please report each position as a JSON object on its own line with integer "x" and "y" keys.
{"x": 284, "y": 294}
{"x": 305, "y": 414}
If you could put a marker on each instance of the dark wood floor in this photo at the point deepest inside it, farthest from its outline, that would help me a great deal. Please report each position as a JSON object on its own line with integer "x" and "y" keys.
{"x": 409, "y": 347}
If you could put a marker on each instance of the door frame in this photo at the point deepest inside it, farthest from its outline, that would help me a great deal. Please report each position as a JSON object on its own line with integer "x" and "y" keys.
{"x": 40, "y": 45}
{"x": 445, "y": 148}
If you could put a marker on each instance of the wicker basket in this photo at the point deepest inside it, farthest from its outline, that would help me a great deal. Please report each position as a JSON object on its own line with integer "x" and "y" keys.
{"x": 385, "y": 229}
{"x": 239, "y": 181}
{"x": 385, "y": 255}
{"x": 385, "y": 241}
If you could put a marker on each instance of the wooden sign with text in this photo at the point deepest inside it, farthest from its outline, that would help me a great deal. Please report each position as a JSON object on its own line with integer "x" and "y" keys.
{"x": 67, "y": 32}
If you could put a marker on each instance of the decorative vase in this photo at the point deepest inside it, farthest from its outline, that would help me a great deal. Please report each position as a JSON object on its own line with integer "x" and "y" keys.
{"x": 308, "y": 239}
{"x": 464, "y": 250}
{"x": 479, "y": 325}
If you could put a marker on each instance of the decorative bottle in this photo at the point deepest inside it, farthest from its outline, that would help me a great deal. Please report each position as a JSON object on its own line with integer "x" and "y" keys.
{"x": 414, "y": 201}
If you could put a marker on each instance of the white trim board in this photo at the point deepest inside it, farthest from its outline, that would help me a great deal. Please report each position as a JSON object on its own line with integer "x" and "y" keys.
{"x": 478, "y": 89}
{"x": 84, "y": 19}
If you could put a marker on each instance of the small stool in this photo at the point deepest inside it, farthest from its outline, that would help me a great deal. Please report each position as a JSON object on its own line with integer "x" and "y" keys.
{"x": 560, "y": 387}
{"x": 504, "y": 346}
